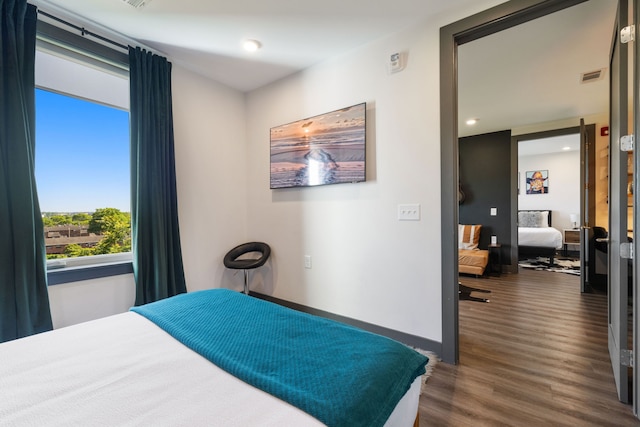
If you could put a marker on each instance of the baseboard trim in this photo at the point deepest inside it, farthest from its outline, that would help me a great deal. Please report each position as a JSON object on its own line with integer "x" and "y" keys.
{"x": 408, "y": 339}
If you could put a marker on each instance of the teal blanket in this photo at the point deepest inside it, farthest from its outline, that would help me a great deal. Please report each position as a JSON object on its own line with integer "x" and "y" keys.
{"x": 341, "y": 375}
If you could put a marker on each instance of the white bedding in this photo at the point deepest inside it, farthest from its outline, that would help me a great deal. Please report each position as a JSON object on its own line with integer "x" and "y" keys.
{"x": 540, "y": 236}
{"x": 123, "y": 370}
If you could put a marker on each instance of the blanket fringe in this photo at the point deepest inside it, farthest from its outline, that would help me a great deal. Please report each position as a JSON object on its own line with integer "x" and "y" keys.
{"x": 431, "y": 365}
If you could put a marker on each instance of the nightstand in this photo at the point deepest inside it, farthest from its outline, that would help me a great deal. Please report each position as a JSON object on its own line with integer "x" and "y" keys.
{"x": 495, "y": 258}
{"x": 570, "y": 237}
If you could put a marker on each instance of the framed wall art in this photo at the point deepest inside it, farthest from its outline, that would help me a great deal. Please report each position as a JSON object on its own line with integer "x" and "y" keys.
{"x": 537, "y": 182}
{"x": 320, "y": 150}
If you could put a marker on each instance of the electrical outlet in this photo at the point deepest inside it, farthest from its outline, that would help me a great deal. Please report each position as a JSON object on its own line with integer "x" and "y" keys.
{"x": 409, "y": 212}
{"x": 307, "y": 261}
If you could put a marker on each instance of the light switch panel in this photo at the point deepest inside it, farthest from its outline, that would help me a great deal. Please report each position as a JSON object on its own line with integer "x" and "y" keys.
{"x": 409, "y": 212}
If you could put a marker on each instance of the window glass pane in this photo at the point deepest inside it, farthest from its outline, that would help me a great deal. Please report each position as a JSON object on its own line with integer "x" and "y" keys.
{"x": 83, "y": 175}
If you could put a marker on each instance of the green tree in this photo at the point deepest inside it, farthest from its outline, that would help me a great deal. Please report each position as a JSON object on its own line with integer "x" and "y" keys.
{"x": 104, "y": 219}
{"x": 115, "y": 227}
{"x": 75, "y": 250}
{"x": 81, "y": 218}
{"x": 60, "y": 219}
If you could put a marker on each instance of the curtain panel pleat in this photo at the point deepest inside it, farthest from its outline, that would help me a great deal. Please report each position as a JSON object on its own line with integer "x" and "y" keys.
{"x": 24, "y": 299}
{"x": 157, "y": 255}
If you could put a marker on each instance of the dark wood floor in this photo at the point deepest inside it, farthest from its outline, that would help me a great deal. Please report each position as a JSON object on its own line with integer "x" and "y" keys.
{"x": 535, "y": 355}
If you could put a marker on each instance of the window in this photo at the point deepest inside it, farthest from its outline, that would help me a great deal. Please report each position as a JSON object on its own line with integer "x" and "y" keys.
{"x": 82, "y": 172}
{"x": 82, "y": 153}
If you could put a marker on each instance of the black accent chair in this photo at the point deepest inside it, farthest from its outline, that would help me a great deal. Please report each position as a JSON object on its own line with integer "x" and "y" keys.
{"x": 234, "y": 260}
{"x": 599, "y": 239}
{"x": 598, "y": 250}
{"x": 601, "y": 243}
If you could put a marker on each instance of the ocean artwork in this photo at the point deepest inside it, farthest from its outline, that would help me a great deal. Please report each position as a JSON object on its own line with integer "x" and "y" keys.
{"x": 320, "y": 150}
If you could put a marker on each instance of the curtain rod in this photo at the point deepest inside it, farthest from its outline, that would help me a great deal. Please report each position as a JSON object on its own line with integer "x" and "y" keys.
{"x": 83, "y": 30}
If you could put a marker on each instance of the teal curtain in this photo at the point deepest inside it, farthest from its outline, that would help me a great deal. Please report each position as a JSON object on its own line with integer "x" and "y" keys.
{"x": 24, "y": 301}
{"x": 157, "y": 256}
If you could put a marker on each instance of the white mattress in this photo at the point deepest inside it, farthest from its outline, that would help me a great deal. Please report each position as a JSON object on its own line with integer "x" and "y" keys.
{"x": 545, "y": 237}
{"x": 123, "y": 370}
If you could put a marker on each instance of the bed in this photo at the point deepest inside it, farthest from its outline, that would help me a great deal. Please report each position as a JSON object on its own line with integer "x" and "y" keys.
{"x": 536, "y": 236}
{"x": 153, "y": 366}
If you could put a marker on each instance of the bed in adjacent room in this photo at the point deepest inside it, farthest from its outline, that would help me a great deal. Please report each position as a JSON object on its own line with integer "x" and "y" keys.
{"x": 214, "y": 358}
{"x": 536, "y": 236}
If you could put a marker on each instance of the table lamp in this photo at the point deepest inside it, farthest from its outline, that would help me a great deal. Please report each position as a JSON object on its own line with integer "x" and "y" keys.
{"x": 574, "y": 220}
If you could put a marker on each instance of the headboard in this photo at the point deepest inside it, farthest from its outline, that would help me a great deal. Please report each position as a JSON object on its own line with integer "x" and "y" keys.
{"x": 549, "y": 212}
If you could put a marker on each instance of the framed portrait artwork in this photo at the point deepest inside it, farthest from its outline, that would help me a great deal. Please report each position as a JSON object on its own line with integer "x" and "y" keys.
{"x": 537, "y": 182}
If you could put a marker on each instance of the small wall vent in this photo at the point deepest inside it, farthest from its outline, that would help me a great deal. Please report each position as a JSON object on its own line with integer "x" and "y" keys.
{"x": 137, "y": 3}
{"x": 592, "y": 76}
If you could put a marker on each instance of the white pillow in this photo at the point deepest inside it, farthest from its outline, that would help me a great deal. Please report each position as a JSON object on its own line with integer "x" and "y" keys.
{"x": 468, "y": 236}
{"x": 533, "y": 219}
{"x": 544, "y": 219}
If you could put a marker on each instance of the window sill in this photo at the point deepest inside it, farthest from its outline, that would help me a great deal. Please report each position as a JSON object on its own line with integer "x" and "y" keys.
{"x": 87, "y": 268}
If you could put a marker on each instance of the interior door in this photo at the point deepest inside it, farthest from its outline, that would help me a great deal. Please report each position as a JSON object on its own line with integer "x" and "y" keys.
{"x": 618, "y": 266}
{"x": 586, "y": 232}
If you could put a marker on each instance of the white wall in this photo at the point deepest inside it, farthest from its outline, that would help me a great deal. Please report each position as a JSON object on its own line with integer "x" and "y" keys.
{"x": 564, "y": 185}
{"x": 212, "y": 176}
{"x": 78, "y": 302}
{"x": 366, "y": 264}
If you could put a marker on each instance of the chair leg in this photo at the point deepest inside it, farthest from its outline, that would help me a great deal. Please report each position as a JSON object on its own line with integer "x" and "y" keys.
{"x": 246, "y": 281}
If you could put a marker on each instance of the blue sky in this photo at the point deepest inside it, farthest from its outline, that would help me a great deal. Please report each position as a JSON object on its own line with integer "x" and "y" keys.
{"x": 82, "y": 155}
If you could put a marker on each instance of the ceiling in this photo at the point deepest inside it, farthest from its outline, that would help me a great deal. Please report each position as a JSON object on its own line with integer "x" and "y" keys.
{"x": 528, "y": 74}
{"x": 555, "y": 144}
{"x": 531, "y": 73}
{"x": 206, "y": 35}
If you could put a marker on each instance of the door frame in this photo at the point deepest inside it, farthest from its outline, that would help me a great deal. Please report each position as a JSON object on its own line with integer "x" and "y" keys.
{"x": 498, "y": 18}
{"x": 587, "y": 160}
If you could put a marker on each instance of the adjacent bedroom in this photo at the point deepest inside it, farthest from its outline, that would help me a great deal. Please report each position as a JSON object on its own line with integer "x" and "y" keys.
{"x": 549, "y": 203}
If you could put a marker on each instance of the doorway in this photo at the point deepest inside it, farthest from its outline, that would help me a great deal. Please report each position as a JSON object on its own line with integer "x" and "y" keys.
{"x": 568, "y": 161}
{"x": 476, "y": 27}
{"x": 470, "y": 29}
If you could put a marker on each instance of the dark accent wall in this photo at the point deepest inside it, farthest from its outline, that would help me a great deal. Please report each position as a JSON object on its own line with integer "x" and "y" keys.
{"x": 485, "y": 177}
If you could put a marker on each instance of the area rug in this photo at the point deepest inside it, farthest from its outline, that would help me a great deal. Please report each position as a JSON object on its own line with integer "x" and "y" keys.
{"x": 560, "y": 265}
{"x": 431, "y": 364}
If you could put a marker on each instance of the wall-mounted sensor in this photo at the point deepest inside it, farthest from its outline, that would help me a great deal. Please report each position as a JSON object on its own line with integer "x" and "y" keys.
{"x": 396, "y": 62}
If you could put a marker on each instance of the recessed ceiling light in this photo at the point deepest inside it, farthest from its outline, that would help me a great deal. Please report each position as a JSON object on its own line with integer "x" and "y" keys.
{"x": 472, "y": 122}
{"x": 566, "y": 148}
{"x": 251, "y": 45}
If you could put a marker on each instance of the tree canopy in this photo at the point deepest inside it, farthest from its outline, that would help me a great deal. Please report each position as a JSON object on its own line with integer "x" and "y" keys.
{"x": 112, "y": 224}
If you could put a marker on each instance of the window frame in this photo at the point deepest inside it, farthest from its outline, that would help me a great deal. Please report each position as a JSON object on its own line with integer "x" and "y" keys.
{"x": 53, "y": 38}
